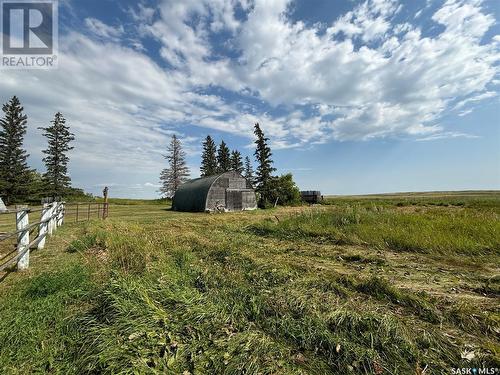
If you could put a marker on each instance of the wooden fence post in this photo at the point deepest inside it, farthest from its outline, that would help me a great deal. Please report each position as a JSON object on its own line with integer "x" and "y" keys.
{"x": 49, "y": 227}
{"x": 60, "y": 213}
{"x": 23, "y": 237}
{"x": 106, "y": 204}
{"x": 63, "y": 212}
{"x": 51, "y": 217}
{"x": 44, "y": 225}
{"x": 55, "y": 214}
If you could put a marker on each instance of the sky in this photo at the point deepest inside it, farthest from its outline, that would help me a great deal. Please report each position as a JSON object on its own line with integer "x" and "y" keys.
{"x": 356, "y": 97}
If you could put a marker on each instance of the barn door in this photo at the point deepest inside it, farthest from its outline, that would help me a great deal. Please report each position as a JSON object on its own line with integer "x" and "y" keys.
{"x": 234, "y": 200}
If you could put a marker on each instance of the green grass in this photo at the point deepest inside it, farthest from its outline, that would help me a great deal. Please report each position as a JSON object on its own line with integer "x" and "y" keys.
{"x": 266, "y": 292}
{"x": 466, "y": 199}
{"x": 37, "y": 324}
{"x": 135, "y": 202}
{"x": 430, "y": 230}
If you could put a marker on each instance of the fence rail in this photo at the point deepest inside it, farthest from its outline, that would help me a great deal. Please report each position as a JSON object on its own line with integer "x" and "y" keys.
{"x": 52, "y": 216}
{"x": 85, "y": 211}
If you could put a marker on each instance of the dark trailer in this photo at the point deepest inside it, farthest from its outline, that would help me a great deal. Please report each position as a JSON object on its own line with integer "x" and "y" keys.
{"x": 311, "y": 196}
{"x": 228, "y": 191}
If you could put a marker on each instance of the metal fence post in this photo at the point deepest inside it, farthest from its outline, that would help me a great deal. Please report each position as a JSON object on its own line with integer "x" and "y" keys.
{"x": 23, "y": 237}
{"x": 44, "y": 225}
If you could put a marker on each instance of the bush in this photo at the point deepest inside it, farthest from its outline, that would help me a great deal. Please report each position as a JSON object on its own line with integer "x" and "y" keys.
{"x": 284, "y": 189}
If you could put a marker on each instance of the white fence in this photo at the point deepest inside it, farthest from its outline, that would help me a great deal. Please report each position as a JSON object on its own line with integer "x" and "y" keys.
{"x": 51, "y": 217}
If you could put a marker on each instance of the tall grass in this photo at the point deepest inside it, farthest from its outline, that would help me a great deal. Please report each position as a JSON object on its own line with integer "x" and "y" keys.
{"x": 481, "y": 200}
{"x": 215, "y": 311}
{"x": 438, "y": 231}
{"x": 36, "y": 321}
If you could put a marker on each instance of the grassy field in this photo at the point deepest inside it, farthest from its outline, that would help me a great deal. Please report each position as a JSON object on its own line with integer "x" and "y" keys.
{"x": 387, "y": 284}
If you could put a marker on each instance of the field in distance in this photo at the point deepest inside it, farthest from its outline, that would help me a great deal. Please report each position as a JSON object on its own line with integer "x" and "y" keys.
{"x": 385, "y": 284}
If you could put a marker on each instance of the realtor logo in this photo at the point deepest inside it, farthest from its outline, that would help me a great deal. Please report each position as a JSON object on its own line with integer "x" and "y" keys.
{"x": 29, "y": 34}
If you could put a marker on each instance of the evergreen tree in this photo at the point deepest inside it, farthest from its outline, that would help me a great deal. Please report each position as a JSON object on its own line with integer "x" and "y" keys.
{"x": 263, "y": 179}
{"x": 14, "y": 171}
{"x": 38, "y": 186}
{"x": 248, "y": 170}
{"x": 236, "y": 162}
{"x": 208, "y": 158}
{"x": 223, "y": 158}
{"x": 177, "y": 172}
{"x": 56, "y": 161}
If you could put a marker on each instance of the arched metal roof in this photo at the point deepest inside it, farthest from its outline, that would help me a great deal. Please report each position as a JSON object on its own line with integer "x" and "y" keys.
{"x": 192, "y": 195}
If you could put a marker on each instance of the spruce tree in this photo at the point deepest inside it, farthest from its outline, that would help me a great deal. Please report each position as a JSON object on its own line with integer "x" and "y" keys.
{"x": 177, "y": 172}
{"x": 14, "y": 171}
{"x": 248, "y": 170}
{"x": 236, "y": 162}
{"x": 208, "y": 158}
{"x": 223, "y": 158}
{"x": 38, "y": 186}
{"x": 263, "y": 179}
{"x": 56, "y": 162}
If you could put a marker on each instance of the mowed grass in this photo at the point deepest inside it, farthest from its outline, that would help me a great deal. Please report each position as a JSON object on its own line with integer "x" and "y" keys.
{"x": 304, "y": 290}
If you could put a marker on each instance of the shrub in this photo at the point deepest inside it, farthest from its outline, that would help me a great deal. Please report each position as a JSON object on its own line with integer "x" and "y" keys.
{"x": 284, "y": 191}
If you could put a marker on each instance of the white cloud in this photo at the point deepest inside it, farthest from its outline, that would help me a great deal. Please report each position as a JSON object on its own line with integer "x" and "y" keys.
{"x": 445, "y": 135}
{"x": 149, "y": 184}
{"x": 142, "y": 13}
{"x": 463, "y": 18}
{"x": 116, "y": 101}
{"x": 102, "y": 30}
{"x": 465, "y": 112}
{"x": 368, "y": 20}
{"x": 402, "y": 28}
{"x": 476, "y": 98}
{"x": 400, "y": 85}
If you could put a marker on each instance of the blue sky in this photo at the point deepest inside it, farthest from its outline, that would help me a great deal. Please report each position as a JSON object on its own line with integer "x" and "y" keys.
{"x": 356, "y": 96}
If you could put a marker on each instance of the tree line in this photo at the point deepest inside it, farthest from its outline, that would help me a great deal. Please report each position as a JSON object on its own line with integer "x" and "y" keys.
{"x": 216, "y": 160}
{"x": 219, "y": 160}
{"x": 20, "y": 183}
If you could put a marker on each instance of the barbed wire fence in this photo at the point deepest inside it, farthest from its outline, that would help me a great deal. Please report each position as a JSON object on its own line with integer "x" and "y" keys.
{"x": 33, "y": 236}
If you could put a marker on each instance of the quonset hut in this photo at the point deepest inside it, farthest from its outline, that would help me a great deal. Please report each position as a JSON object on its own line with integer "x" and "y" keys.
{"x": 228, "y": 191}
